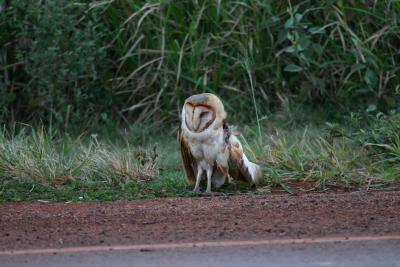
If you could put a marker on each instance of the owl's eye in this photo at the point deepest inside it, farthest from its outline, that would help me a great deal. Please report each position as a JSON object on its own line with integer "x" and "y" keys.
{"x": 203, "y": 114}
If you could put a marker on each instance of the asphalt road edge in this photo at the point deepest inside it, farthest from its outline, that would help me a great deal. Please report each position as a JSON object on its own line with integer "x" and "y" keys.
{"x": 228, "y": 243}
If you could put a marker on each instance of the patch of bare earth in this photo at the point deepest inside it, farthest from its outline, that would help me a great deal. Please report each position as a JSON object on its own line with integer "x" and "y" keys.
{"x": 35, "y": 224}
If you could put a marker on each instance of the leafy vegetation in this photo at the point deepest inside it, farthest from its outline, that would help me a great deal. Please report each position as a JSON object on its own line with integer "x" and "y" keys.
{"x": 361, "y": 153}
{"x": 79, "y": 63}
{"x": 314, "y": 85}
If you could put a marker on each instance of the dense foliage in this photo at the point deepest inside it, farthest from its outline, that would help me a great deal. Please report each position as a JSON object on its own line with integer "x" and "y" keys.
{"x": 74, "y": 62}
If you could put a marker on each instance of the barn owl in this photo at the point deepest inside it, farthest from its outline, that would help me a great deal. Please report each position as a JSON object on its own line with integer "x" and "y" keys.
{"x": 208, "y": 146}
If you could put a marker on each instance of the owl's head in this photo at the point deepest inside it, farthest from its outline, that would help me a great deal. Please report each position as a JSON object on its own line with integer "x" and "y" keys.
{"x": 200, "y": 111}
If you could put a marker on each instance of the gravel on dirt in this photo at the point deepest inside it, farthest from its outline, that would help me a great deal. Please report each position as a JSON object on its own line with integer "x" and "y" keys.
{"x": 35, "y": 224}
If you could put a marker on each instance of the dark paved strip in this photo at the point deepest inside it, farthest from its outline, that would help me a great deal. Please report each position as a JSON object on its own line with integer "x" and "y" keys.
{"x": 355, "y": 254}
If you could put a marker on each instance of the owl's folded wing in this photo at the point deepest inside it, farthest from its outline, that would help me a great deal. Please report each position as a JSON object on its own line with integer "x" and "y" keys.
{"x": 240, "y": 167}
{"x": 189, "y": 163}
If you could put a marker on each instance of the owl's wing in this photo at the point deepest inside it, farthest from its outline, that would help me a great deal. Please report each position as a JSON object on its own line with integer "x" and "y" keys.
{"x": 189, "y": 163}
{"x": 240, "y": 167}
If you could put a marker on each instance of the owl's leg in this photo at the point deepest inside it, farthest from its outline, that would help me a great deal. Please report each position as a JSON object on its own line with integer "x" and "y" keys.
{"x": 230, "y": 179}
{"x": 209, "y": 175}
{"x": 198, "y": 178}
{"x": 223, "y": 166}
{"x": 225, "y": 173}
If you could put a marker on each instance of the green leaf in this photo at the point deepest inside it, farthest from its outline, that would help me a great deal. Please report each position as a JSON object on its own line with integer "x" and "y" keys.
{"x": 371, "y": 108}
{"x": 272, "y": 21}
{"x": 299, "y": 17}
{"x": 275, "y": 19}
{"x": 316, "y": 30}
{"x": 370, "y": 77}
{"x": 293, "y": 68}
{"x": 290, "y": 49}
{"x": 357, "y": 67}
{"x": 299, "y": 47}
{"x": 318, "y": 48}
{"x": 289, "y": 23}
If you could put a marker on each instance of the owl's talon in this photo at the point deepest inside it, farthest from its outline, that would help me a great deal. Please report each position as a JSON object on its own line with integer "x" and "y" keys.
{"x": 233, "y": 186}
{"x": 196, "y": 190}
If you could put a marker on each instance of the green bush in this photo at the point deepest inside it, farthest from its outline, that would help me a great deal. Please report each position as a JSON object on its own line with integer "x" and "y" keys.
{"x": 136, "y": 61}
{"x": 62, "y": 63}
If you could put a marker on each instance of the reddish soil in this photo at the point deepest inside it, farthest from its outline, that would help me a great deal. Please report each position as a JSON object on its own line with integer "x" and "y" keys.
{"x": 35, "y": 224}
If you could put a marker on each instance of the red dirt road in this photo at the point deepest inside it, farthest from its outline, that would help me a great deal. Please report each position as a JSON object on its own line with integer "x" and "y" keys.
{"x": 51, "y": 225}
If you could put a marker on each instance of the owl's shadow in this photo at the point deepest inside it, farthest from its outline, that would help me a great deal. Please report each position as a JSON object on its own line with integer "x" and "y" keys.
{"x": 234, "y": 188}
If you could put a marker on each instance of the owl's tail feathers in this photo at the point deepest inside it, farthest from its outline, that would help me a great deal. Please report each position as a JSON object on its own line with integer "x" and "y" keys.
{"x": 254, "y": 173}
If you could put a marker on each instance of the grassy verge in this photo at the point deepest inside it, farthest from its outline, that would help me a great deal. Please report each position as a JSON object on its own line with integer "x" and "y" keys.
{"x": 47, "y": 165}
{"x": 38, "y": 164}
{"x": 168, "y": 184}
{"x": 363, "y": 151}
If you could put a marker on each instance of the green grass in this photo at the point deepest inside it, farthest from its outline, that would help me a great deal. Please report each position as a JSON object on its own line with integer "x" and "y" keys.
{"x": 359, "y": 153}
{"x": 41, "y": 156}
{"x": 168, "y": 184}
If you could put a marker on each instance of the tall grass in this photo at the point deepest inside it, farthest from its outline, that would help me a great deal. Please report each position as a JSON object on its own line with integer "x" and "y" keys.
{"x": 135, "y": 61}
{"x": 46, "y": 158}
{"x": 360, "y": 152}
{"x": 328, "y": 155}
